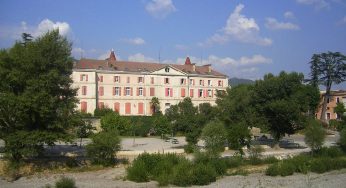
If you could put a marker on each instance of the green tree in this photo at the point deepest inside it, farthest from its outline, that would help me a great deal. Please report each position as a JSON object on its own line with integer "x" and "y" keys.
{"x": 113, "y": 121}
{"x": 103, "y": 147}
{"x": 83, "y": 127}
{"x": 161, "y": 125}
{"x": 214, "y": 135}
{"x": 339, "y": 109}
{"x": 100, "y": 112}
{"x": 155, "y": 105}
{"x": 314, "y": 135}
{"x": 342, "y": 139}
{"x": 206, "y": 113}
{"x": 284, "y": 102}
{"x": 37, "y": 102}
{"x": 327, "y": 69}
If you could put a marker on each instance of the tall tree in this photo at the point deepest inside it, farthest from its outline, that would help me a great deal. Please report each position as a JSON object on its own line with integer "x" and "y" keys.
{"x": 37, "y": 102}
{"x": 327, "y": 69}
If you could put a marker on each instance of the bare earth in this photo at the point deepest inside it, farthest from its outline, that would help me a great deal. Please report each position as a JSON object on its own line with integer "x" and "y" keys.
{"x": 114, "y": 178}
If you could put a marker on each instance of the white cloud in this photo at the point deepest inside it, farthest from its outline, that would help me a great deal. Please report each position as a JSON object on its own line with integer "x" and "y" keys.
{"x": 289, "y": 14}
{"x": 140, "y": 58}
{"x": 318, "y": 4}
{"x": 160, "y": 8}
{"x": 240, "y": 28}
{"x": 135, "y": 41}
{"x": 181, "y": 47}
{"x": 78, "y": 52}
{"x": 48, "y": 25}
{"x": 272, "y": 23}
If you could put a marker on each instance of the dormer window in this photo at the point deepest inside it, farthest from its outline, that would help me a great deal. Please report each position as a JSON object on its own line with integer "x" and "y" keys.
{"x": 167, "y": 69}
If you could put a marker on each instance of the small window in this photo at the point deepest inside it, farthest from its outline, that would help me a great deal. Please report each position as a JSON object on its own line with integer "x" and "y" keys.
{"x": 210, "y": 93}
{"x": 192, "y": 82}
{"x": 84, "y": 90}
{"x": 200, "y": 93}
{"x": 167, "y": 69}
{"x": 140, "y": 91}
{"x": 337, "y": 100}
{"x": 116, "y": 79}
{"x": 167, "y": 105}
{"x": 117, "y": 91}
{"x": 127, "y": 91}
{"x": 182, "y": 81}
{"x": 219, "y": 83}
{"x": 166, "y": 80}
{"x": 140, "y": 79}
{"x": 200, "y": 82}
{"x": 152, "y": 80}
{"x": 100, "y": 78}
{"x": 209, "y": 83}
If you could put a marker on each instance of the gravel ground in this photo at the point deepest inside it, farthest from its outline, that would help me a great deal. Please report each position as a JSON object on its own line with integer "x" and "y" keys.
{"x": 114, "y": 178}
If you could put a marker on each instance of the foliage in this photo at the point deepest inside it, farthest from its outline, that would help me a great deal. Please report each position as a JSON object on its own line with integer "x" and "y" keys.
{"x": 65, "y": 182}
{"x": 327, "y": 69}
{"x": 214, "y": 136}
{"x": 103, "y": 147}
{"x": 340, "y": 109}
{"x": 206, "y": 113}
{"x": 100, "y": 112}
{"x": 282, "y": 100}
{"x": 184, "y": 118}
{"x": 314, "y": 135}
{"x": 37, "y": 102}
{"x": 255, "y": 153}
{"x": 161, "y": 125}
{"x": 342, "y": 140}
{"x": 140, "y": 125}
{"x": 113, "y": 121}
{"x": 83, "y": 126}
{"x": 155, "y": 105}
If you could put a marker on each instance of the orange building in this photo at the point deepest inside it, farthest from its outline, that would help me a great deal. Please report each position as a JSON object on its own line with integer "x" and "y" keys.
{"x": 335, "y": 97}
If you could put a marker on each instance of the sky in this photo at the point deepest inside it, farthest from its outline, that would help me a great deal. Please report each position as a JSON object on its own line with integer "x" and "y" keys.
{"x": 245, "y": 39}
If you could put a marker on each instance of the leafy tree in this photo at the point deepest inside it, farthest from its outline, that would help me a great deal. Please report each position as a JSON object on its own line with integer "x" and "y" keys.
{"x": 339, "y": 109}
{"x": 26, "y": 38}
{"x": 206, "y": 113}
{"x": 161, "y": 125}
{"x": 83, "y": 126}
{"x": 342, "y": 140}
{"x": 155, "y": 105}
{"x": 314, "y": 135}
{"x": 100, "y": 112}
{"x": 104, "y": 146}
{"x": 113, "y": 121}
{"x": 37, "y": 102}
{"x": 214, "y": 135}
{"x": 184, "y": 118}
{"x": 284, "y": 102}
{"x": 327, "y": 69}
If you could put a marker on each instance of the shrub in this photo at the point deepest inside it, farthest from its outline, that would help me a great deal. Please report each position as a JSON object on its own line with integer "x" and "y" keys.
{"x": 233, "y": 162}
{"x": 329, "y": 152}
{"x": 65, "y": 182}
{"x": 255, "y": 152}
{"x": 301, "y": 163}
{"x": 103, "y": 148}
{"x": 269, "y": 160}
{"x": 189, "y": 148}
{"x": 102, "y": 112}
{"x": 203, "y": 174}
{"x": 182, "y": 174}
{"x": 218, "y": 164}
{"x": 138, "y": 172}
{"x": 214, "y": 136}
{"x": 114, "y": 122}
{"x": 314, "y": 135}
{"x": 273, "y": 170}
{"x": 284, "y": 168}
{"x": 342, "y": 140}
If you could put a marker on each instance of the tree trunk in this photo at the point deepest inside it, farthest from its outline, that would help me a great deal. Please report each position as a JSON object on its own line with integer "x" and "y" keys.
{"x": 324, "y": 104}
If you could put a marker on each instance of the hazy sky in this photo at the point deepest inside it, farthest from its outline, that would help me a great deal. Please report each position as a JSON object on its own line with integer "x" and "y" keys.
{"x": 240, "y": 38}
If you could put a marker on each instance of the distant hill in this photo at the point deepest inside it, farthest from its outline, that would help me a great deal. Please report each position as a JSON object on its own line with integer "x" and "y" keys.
{"x": 236, "y": 81}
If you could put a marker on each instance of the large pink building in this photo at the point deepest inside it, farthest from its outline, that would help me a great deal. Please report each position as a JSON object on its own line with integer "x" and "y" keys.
{"x": 128, "y": 87}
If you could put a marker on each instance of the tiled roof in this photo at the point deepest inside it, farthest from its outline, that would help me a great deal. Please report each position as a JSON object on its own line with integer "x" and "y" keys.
{"x": 130, "y": 66}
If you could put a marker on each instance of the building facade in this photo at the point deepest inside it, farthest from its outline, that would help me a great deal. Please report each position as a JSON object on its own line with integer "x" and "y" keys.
{"x": 335, "y": 97}
{"x": 128, "y": 87}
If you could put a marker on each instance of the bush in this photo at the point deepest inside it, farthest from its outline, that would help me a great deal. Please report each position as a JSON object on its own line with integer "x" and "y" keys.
{"x": 329, "y": 152}
{"x": 255, "y": 152}
{"x": 65, "y": 182}
{"x": 314, "y": 135}
{"x": 273, "y": 170}
{"x": 214, "y": 136}
{"x": 189, "y": 148}
{"x": 203, "y": 174}
{"x": 138, "y": 172}
{"x": 114, "y": 122}
{"x": 103, "y": 148}
{"x": 102, "y": 112}
{"x": 218, "y": 164}
{"x": 235, "y": 161}
{"x": 182, "y": 174}
{"x": 284, "y": 168}
{"x": 342, "y": 140}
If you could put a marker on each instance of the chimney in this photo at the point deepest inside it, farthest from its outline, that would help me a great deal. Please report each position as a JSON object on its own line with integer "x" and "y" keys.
{"x": 112, "y": 56}
{"x": 193, "y": 67}
{"x": 187, "y": 61}
{"x": 209, "y": 67}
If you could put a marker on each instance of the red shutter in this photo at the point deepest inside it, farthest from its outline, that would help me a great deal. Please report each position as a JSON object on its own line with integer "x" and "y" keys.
{"x": 101, "y": 91}
{"x": 171, "y": 92}
{"x": 81, "y": 77}
{"x": 127, "y": 108}
{"x": 166, "y": 92}
{"x": 205, "y": 93}
{"x": 131, "y": 93}
{"x": 84, "y": 106}
{"x": 152, "y": 91}
{"x": 124, "y": 91}
{"x": 182, "y": 92}
{"x": 191, "y": 92}
{"x": 140, "y": 108}
{"x": 117, "y": 107}
{"x": 144, "y": 89}
{"x": 113, "y": 90}
{"x": 101, "y": 105}
{"x": 222, "y": 83}
{"x": 137, "y": 91}
{"x": 86, "y": 78}
{"x": 101, "y": 78}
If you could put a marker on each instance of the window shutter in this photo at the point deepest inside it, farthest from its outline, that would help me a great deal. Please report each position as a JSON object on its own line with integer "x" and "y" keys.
{"x": 166, "y": 92}
{"x": 86, "y": 78}
{"x": 144, "y": 89}
{"x": 116, "y": 107}
{"x": 119, "y": 78}
{"x": 171, "y": 92}
{"x": 137, "y": 91}
{"x": 191, "y": 92}
{"x": 81, "y": 77}
{"x": 113, "y": 90}
{"x": 152, "y": 91}
{"x": 119, "y": 91}
{"x": 182, "y": 92}
{"x": 124, "y": 91}
{"x": 131, "y": 93}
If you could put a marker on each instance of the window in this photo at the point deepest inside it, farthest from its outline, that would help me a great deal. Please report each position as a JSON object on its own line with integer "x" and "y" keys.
{"x": 117, "y": 79}
{"x": 83, "y": 77}
{"x": 140, "y": 91}
{"x": 182, "y": 81}
{"x": 116, "y": 91}
{"x": 191, "y": 93}
{"x": 200, "y": 93}
{"x": 128, "y": 80}
{"x": 140, "y": 79}
{"x": 201, "y": 82}
{"x": 209, "y": 83}
{"x": 152, "y": 80}
{"x": 169, "y": 92}
{"x": 127, "y": 108}
{"x": 117, "y": 107}
{"x": 152, "y": 91}
{"x": 337, "y": 100}
{"x": 100, "y": 78}
{"x": 167, "y": 105}
{"x": 140, "y": 108}
{"x": 182, "y": 92}
{"x": 83, "y": 106}
{"x": 219, "y": 83}
{"x": 127, "y": 91}
{"x": 84, "y": 90}
{"x": 328, "y": 100}
{"x": 167, "y": 69}
{"x": 101, "y": 92}
{"x": 328, "y": 116}
{"x": 166, "y": 81}
{"x": 192, "y": 82}
{"x": 210, "y": 93}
